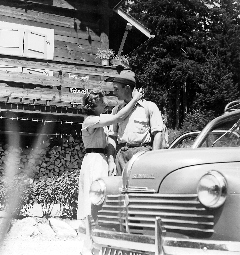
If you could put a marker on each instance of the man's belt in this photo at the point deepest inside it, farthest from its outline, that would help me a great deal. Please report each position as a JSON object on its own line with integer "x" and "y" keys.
{"x": 131, "y": 145}
{"x": 96, "y": 150}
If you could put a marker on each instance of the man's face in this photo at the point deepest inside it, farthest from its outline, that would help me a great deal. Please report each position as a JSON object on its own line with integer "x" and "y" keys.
{"x": 119, "y": 91}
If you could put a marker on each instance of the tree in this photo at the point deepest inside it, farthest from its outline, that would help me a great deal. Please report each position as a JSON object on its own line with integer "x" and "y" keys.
{"x": 193, "y": 61}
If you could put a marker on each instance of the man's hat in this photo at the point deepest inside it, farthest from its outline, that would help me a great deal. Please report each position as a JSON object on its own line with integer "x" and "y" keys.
{"x": 126, "y": 77}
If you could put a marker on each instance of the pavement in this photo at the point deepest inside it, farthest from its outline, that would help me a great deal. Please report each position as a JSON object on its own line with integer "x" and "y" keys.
{"x": 40, "y": 236}
{"x": 36, "y": 247}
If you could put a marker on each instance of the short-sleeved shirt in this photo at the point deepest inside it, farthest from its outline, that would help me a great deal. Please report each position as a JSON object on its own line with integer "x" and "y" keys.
{"x": 93, "y": 138}
{"x": 136, "y": 128}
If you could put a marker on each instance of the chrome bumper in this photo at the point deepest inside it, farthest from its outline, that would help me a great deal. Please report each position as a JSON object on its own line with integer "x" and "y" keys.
{"x": 158, "y": 244}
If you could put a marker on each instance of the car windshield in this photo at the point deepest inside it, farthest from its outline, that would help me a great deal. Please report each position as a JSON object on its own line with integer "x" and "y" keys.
{"x": 225, "y": 135}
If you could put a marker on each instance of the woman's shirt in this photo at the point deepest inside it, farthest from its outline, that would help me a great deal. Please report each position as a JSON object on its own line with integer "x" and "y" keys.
{"x": 93, "y": 138}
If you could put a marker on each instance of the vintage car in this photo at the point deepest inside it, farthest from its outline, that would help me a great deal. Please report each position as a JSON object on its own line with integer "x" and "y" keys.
{"x": 174, "y": 201}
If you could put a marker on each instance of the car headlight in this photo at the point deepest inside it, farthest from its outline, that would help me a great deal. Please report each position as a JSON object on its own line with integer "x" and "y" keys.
{"x": 212, "y": 189}
{"x": 97, "y": 192}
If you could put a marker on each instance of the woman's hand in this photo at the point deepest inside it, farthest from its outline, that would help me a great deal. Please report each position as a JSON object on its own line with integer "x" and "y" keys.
{"x": 112, "y": 170}
{"x": 137, "y": 94}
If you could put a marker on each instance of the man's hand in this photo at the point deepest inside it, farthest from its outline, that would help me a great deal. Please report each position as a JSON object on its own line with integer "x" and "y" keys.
{"x": 112, "y": 170}
{"x": 137, "y": 94}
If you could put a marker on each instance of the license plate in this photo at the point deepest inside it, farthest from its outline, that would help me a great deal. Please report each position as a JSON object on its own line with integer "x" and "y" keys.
{"x": 113, "y": 251}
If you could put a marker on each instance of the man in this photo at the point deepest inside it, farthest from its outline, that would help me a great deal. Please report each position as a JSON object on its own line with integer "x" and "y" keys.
{"x": 141, "y": 130}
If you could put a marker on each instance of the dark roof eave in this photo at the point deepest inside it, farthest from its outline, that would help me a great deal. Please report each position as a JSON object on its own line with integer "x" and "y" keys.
{"x": 118, "y": 5}
{"x": 132, "y": 21}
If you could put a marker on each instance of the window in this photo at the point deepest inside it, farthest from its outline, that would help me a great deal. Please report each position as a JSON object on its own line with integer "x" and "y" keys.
{"x": 27, "y": 41}
{"x": 11, "y": 41}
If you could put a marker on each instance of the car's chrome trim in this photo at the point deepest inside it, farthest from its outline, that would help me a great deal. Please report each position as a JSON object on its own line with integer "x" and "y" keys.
{"x": 127, "y": 170}
{"x": 137, "y": 212}
{"x": 163, "y": 245}
{"x": 132, "y": 189}
{"x": 221, "y": 185}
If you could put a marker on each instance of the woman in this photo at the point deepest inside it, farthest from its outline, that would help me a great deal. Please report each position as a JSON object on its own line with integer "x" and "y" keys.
{"x": 94, "y": 165}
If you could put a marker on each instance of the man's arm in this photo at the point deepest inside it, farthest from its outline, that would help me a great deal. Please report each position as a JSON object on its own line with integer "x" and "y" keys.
{"x": 157, "y": 140}
{"x": 157, "y": 126}
{"x": 111, "y": 153}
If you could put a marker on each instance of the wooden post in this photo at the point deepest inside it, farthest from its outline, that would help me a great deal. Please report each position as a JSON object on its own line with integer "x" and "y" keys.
{"x": 128, "y": 28}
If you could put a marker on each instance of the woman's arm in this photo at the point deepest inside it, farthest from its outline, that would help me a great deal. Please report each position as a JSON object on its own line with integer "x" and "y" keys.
{"x": 108, "y": 119}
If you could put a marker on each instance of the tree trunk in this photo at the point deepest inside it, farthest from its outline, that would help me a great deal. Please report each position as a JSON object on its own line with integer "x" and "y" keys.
{"x": 185, "y": 98}
{"x": 177, "y": 108}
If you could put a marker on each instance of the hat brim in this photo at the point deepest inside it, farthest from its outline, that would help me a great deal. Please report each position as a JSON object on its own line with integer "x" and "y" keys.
{"x": 121, "y": 81}
{"x": 109, "y": 79}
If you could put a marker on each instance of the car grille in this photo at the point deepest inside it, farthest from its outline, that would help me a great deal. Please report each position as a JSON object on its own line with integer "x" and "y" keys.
{"x": 135, "y": 213}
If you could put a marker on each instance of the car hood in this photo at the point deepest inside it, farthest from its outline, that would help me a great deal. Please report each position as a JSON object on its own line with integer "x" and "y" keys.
{"x": 152, "y": 167}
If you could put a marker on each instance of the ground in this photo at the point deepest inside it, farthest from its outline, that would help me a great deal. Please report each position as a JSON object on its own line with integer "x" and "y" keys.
{"x": 39, "y": 236}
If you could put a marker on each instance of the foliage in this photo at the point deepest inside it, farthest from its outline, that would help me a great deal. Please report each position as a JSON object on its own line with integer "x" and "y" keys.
{"x": 45, "y": 191}
{"x": 122, "y": 60}
{"x": 68, "y": 193}
{"x": 173, "y": 134}
{"x": 48, "y": 177}
{"x": 104, "y": 53}
{"x": 196, "y": 120}
{"x": 18, "y": 185}
{"x": 61, "y": 190}
{"x": 193, "y": 62}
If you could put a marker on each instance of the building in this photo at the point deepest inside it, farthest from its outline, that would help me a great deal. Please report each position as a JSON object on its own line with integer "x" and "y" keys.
{"x": 48, "y": 57}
